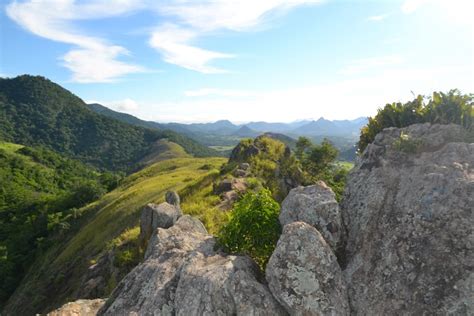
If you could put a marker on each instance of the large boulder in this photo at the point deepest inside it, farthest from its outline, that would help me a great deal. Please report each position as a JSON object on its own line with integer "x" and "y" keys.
{"x": 79, "y": 308}
{"x": 317, "y": 206}
{"x": 303, "y": 273}
{"x": 182, "y": 274}
{"x": 153, "y": 216}
{"x": 222, "y": 285}
{"x": 410, "y": 218}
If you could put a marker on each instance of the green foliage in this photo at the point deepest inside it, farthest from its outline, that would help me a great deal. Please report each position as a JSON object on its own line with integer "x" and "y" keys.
{"x": 111, "y": 223}
{"x": 39, "y": 197}
{"x": 318, "y": 162}
{"x": 253, "y": 228}
{"x": 441, "y": 108}
{"x": 36, "y": 112}
{"x": 302, "y": 145}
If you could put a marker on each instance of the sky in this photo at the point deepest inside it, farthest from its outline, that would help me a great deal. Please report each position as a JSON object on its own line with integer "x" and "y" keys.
{"x": 242, "y": 60}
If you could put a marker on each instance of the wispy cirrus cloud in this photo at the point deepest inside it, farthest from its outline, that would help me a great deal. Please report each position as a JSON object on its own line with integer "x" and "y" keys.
{"x": 95, "y": 59}
{"x": 198, "y": 18}
{"x": 174, "y": 44}
{"x": 92, "y": 59}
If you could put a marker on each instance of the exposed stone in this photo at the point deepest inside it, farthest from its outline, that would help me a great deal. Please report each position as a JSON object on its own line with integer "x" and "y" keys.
{"x": 223, "y": 285}
{"x": 409, "y": 217}
{"x": 240, "y": 173}
{"x": 317, "y": 206}
{"x": 303, "y": 273}
{"x": 228, "y": 200}
{"x": 244, "y": 166}
{"x": 243, "y": 152}
{"x": 223, "y": 186}
{"x": 153, "y": 216}
{"x": 79, "y": 308}
{"x": 227, "y": 185}
{"x": 172, "y": 198}
{"x": 182, "y": 274}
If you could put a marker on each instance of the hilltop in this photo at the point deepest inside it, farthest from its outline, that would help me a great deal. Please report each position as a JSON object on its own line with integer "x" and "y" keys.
{"x": 35, "y": 111}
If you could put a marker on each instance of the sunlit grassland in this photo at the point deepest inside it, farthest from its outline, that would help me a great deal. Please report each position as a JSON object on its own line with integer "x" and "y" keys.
{"x": 120, "y": 209}
{"x": 113, "y": 220}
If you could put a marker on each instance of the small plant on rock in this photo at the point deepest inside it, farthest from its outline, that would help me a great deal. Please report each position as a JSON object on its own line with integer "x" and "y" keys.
{"x": 253, "y": 228}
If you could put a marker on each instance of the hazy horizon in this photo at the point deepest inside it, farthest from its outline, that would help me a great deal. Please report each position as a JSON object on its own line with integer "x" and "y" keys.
{"x": 273, "y": 61}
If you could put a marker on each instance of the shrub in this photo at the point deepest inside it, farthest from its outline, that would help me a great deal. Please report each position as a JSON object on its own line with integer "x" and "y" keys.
{"x": 441, "y": 108}
{"x": 253, "y": 228}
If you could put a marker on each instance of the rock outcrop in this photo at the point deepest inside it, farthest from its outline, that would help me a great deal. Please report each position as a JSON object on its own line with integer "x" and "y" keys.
{"x": 153, "y": 216}
{"x": 410, "y": 218}
{"x": 317, "y": 206}
{"x": 404, "y": 235}
{"x": 303, "y": 273}
{"x": 182, "y": 274}
{"x": 172, "y": 198}
{"x": 79, "y": 308}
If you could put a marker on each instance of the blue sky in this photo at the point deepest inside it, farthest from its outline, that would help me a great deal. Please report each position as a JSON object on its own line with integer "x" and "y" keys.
{"x": 243, "y": 60}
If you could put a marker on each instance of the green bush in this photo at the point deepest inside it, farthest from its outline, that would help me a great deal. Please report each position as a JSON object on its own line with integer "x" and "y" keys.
{"x": 253, "y": 228}
{"x": 441, "y": 108}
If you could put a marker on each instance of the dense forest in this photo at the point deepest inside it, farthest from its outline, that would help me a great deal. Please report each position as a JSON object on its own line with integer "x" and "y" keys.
{"x": 40, "y": 194}
{"x": 37, "y": 112}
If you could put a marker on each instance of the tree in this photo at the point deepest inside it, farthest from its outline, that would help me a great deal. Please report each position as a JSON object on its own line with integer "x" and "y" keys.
{"x": 302, "y": 144}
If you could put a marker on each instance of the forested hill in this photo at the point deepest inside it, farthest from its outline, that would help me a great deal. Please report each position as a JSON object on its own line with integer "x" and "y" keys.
{"x": 35, "y": 111}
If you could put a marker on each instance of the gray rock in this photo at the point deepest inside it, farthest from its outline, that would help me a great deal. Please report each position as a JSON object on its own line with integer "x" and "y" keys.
{"x": 222, "y": 285}
{"x": 153, "y": 216}
{"x": 172, "y": 198}
{"x": 317, "y": 206}
{"x": 244, "y": 166}
{"x": 182, "y": 274}
{"x": 79, "y": 307}
{"x": 240, "y": 173}
{"x": 227, "y": 185}
{"x": 224, "y": 186}
{"x": 410, "y": 219}
{"x": 303, "y": 273}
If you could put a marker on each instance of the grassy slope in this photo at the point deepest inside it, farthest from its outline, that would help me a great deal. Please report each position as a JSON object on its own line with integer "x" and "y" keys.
{"x": 57, "y": 273}
{"x": 10, "y": 147}
{"x": 163, "y": 149}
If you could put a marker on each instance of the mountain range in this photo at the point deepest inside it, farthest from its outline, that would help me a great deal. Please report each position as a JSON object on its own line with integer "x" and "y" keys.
{"x": 310, "y": 128}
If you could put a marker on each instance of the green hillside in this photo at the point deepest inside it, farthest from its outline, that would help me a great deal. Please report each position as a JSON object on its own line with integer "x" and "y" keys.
{"x": 38, "y": 196}
{"x": 35, "y": 111}
{"x": 111, "y": 222}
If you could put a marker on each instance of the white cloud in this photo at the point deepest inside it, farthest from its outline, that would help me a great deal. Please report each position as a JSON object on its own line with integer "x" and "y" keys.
{"x": 217, "y": 92}
{"x": 366, "y": 64}
{"x": 173, "y": 42}
{"x": 378, "y": 18}
{"x": 94, "y": 59}
{"x": 200, "y": 17}
{"x": 345, "y": 99}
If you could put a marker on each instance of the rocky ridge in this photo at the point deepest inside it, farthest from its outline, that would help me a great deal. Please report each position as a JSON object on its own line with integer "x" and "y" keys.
{"x": 400, "y": 243}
